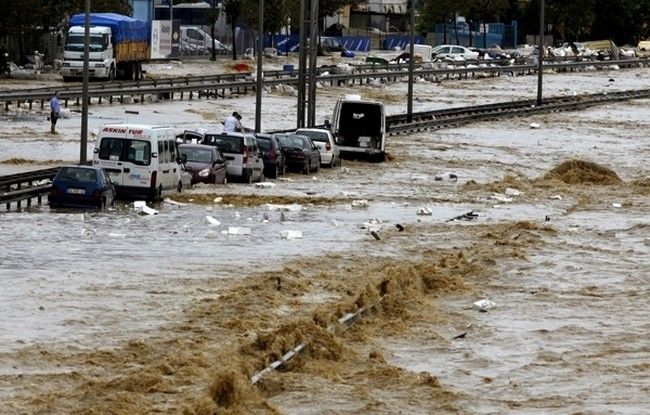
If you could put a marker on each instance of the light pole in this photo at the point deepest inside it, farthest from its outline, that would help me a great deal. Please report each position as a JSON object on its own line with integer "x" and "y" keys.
{"x": 84, "y": 95}
{"x": 409, "y": 107}
{"x": 260, "y": 73}
{"x": 540, "y": 60}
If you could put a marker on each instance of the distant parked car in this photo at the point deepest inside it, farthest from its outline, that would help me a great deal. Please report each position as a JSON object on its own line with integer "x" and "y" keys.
{"x": 301, "y": 153}
{"x": 453, "y": 52}
{"x": 205, "y": 163}
{"x": 243, "y": 159}
{"x": 81, "y": 186}
{"x": 324, "y": 140}
{"x": 271, "y": 149}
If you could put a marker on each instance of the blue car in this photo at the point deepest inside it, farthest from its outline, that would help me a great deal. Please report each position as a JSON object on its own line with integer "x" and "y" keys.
{"x": 81, "y": 186}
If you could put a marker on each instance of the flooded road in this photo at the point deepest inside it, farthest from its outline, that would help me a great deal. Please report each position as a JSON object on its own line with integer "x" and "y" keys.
{"x": 113, "y": 311}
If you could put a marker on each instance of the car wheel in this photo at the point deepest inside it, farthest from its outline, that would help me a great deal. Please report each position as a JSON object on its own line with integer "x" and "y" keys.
{"x": 307, "y": 168}
{"x": 179, "y": 188}
{"x": 158, "y": 197}
{"x": 276, "y": 172}
{"x": 248, "y": 177}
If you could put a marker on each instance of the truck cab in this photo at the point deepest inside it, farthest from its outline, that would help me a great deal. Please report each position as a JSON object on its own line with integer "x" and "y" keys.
{"x": 359, "y": 128}
{"x": 101, "y": 55}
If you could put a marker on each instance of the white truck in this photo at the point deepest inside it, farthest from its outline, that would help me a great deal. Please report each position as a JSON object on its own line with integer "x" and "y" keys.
{"x": 118, "y": 46}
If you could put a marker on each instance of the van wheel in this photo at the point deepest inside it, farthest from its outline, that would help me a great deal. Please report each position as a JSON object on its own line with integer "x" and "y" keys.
{"x": 179, "y": 188}
{"x": 158, "y": 197}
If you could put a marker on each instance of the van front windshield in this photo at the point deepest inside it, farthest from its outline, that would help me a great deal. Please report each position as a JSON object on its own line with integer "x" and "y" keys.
{"x": 137, "y": 152}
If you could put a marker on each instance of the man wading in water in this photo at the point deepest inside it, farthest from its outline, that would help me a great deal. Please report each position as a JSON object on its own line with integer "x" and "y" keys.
{"x": 55, "y": 108}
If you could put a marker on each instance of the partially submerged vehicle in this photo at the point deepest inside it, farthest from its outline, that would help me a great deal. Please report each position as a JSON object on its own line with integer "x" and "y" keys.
{"x": 359, "y": 128}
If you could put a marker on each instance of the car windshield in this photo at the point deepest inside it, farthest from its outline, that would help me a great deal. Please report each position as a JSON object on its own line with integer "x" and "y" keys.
{"x": 225, "y": 143}
{"x": 196, "y": 155}
{"x": 320, "y": 136}
{"x": 75, "y": 43}
{"x": 77, "y": 174}
{"x": 119, "y": 149}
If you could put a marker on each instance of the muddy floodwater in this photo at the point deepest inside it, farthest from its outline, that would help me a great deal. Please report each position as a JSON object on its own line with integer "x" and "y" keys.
{"x": 118, "y": 312}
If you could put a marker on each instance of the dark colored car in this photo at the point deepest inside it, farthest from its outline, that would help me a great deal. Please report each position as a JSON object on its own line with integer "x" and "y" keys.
{"x": 300, "y": 152}
{"x": 271, "y": 149}
{"x": 81, "y": 186}
{"x": 205, "y": 163}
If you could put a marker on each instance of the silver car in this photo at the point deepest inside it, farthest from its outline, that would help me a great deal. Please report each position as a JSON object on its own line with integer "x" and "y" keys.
{"x": 243, "y": 159}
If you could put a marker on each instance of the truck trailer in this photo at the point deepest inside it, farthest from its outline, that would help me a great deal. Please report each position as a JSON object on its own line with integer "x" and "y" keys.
{"x": 118, "y": 47}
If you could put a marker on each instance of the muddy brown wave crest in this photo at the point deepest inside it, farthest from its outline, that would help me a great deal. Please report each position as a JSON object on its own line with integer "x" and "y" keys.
{"x": 583, "y": 172}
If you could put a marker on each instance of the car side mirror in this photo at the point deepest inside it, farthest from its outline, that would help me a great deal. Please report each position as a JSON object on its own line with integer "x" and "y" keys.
{"x": 182, "y": 159}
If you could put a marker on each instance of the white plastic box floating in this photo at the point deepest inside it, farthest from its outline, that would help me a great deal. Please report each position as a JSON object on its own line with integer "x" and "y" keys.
{"x": 141, "y": 207}
{"x": 513, "y": 192}
{"x": 360, "y": 203}
{"x": 288, "y": 234}
{"x": 288, "y": 208}
{"x": 265, "y": 185}
{"x": 235, "y": 230}
{"x": 212, "y": 221}
{"x": 483, "y": 305}
{"x": 424, "y": 211}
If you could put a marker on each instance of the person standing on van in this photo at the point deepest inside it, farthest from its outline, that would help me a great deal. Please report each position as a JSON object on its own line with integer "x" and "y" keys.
{"x": 231, "y": 123}
{"x": 55, "y": 108}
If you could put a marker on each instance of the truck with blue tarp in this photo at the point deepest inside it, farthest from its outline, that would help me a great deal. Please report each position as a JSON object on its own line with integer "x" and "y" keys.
{"x": 118, "y": 46}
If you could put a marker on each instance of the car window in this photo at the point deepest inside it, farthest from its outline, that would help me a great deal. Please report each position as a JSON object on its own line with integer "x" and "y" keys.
{"x": 264, "y": 144}
{"x": 225, "y": 143}
{"x": 457, "y": 50}
{"x": 77, "y": 174}
{"x": 444, "y": 50}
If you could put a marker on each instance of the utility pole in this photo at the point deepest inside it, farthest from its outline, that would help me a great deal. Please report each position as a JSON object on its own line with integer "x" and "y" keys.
{"x": 260, "y": 72}
{"x": 409, "y": 108}
{"x": 84, "y": 95}
{"x": 313, "y": 52}
{"x": 540, "y": 62}
{"x": 302, "y": 67}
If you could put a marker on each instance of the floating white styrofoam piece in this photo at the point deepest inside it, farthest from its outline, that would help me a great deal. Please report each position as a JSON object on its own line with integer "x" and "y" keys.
{"x": 265, "y": 185}
{"x": 512, "y": 192}
{"x": 289, "y": 208}
{"x": 359, "y": 203}
{"x": 288, "y": 234}
{"x": 424, "y": 211}
{"x": 483, "y": 305}
{"x": 139, "y": 204}
{"x": 450, "y": 177}
{"x": 213, "y": 221}
{"x": 235, "y": 230}
{"x": 534, "y": 125}
{"x": 617, "y": 205}
{"x": 501, "y": 198}
{"x": 148, "y": 211}
{"x": 116, "y": 235}
{"x": 556, "y": 197}
{"x": 218, "y": 199}
{"x": 173, "y": 202}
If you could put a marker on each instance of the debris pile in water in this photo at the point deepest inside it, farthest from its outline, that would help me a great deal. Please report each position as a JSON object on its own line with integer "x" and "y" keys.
{"x": 583, "y": 172}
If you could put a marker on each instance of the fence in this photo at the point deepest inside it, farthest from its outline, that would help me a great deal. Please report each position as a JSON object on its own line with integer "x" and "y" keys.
{"x": 477, "y": 35}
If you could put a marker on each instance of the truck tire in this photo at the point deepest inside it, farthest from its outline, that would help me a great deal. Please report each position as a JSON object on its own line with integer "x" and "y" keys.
{"x": 111, "y": 73}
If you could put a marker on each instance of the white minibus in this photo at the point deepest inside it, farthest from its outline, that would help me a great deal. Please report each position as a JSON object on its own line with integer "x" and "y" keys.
{"x": 141, "y": 160}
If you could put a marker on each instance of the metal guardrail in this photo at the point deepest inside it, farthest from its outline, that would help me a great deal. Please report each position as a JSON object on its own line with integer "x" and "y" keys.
{"x": 24, "y": 187}
{"x": 211, "y": 85}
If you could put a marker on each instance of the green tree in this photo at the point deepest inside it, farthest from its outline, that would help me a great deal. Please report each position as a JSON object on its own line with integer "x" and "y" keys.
{"x": 233, "y": 10}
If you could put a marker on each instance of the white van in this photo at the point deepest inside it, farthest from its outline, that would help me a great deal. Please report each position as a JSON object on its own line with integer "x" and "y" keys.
{"x": 243, "y": 159}
{"x": 359, "y": 128}
{"x": 141, "y": 160}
